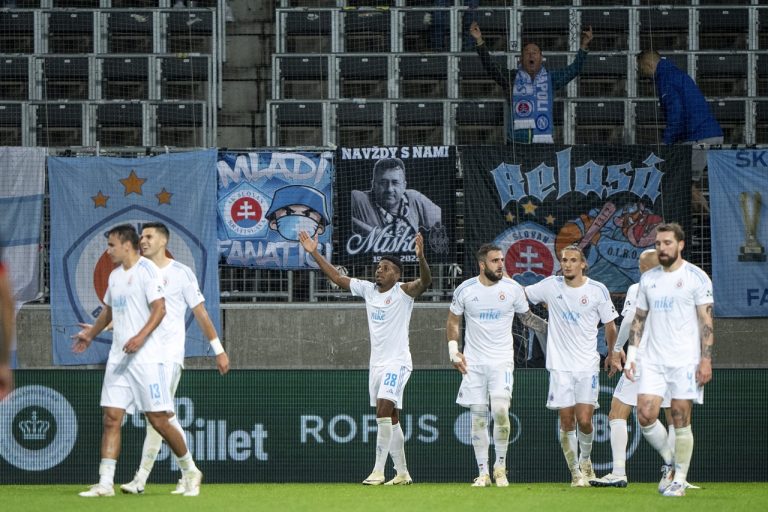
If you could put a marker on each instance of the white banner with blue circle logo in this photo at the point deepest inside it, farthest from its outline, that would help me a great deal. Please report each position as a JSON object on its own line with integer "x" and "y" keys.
{"x": 91, "y": 195}
{"x": 265, "y": 199}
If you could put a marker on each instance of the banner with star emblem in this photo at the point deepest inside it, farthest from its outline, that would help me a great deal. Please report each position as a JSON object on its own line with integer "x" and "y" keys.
{"x": 91, "y": 195}
{"x": 265, "y": 199}
{"x": 388, "y": 194}
{"x": 534, "y": 200}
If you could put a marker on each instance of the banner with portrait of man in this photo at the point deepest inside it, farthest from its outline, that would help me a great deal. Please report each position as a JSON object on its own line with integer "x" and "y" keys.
{"x": 534, "y": 200}
{"x": 386, "y": 195}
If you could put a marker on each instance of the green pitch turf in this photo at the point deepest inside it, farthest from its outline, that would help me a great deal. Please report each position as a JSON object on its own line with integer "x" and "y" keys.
{"x": 422, "y": 497}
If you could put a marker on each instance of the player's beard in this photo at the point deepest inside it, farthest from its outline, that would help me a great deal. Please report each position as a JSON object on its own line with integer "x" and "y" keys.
{"x": 668, "y": 261}
{"x": 492, "y": 276}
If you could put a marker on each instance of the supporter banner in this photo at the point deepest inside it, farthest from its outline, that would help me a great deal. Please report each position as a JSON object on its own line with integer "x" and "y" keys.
{"x": 316, "y": 426}
{"x": 91, "y": 195}
{"x": 22, "y": 188}
{"x": 266, "y": 199}
{"x": 737, "y": 182}
{"x": 387, "y": 195}
{"x": 533, "y": 200}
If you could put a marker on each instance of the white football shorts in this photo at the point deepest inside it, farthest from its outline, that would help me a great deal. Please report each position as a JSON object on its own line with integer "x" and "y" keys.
{"x": 482, "y": 382}
{"x": 566, "y": 389}
{"x": 677, "y": 382}
{"x": 140, "y": 387}
{"x": 388, "y": 383}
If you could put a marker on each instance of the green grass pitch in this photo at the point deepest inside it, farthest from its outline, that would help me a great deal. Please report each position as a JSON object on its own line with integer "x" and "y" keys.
{"x": 422, "y": 497}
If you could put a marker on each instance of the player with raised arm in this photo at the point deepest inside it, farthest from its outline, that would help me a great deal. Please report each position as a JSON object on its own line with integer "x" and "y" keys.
{"x": 576, "y": 305}
{"x": 489, "y": 303}
{"x": 137, "y": 370}
{"x": 389, "y": 305}
{"x": 674, "y": 304}
{"x": 181, "y": 292}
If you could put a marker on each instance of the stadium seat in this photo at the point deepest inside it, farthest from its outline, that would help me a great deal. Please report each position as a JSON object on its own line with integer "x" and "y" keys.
{"x": 11, "y": 124}
{"x": 181, "y": 124}
{"x": 494, "y": 23}
{"x": 296, "y": 123}
{"x": 14, "y": 78}
{"x": 548, "y": 29}
{"x": 418, "y": 122}
{"x": 474, "y": 82}
{"x": 762, "y": 75}
{"x": 610, "y": 28}
{"x": 59, "y": 124}
{"x": 366, "y": 30}
{"x": 185, "y": 78}
{"x": 762, "y": 122}
{"x": 723, "y": 28}
{"x": 17, "y": 32}
{"x": 300, "y": 77}
{"x": 479, "y": 122}
{"x": 722, "y": 75}
{"x": 363, "y": 76}
{"x": 130, "y": 32}
{"x": 190, "y": 31}
{"x": 423, "y": 76}
{"x": 359, "y": 124}
{"x": 124, "y": 78}
{"x": 303, "y": 31}
{"x": 70, "y": 31}
{"x": 65, "y": 78}
{"x": 600, "y": 122}
{"x": 664, "y": 29}
{"x": 604, "y": 76}
{"x": 730, "y": 115}
{"x": 120, "y": 124}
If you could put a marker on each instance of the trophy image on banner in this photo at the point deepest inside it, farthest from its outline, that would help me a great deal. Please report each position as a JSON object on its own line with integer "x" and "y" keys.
{"x": 752, "y": 250}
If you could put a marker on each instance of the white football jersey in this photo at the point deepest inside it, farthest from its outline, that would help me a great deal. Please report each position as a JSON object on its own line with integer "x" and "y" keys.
{"x": 129, "y": 294}
{"x": 672, "y": 324}
{"x": 181, "y": 292}
{"x": 574, "y": 314}
{"x": 389, "y": 317}
{"x": 488, "y": 315}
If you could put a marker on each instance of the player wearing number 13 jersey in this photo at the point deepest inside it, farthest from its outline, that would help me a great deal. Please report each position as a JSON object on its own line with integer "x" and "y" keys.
{"x": 388, "y": 305}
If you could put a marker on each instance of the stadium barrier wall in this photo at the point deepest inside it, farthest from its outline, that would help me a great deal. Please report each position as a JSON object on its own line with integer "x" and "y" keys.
{"x": 317, "y": 426}
{"x": 299, "y": 337}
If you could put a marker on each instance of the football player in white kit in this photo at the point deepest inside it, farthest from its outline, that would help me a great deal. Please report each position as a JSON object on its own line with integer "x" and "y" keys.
{"x": 576, "y": 305}
{"x": 138, "y": 371}
{"x": 181, "y": 292}
{"x": 489, "y": 303}
{"x": 388, "y": 304}
{"x": 674, "y": 304}
{"x": 625, "y": 393}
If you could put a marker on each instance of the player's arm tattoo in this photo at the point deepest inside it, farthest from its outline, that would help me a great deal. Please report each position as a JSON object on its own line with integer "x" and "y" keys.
{"x": 706, "y": 330}
{"x": 535, "y": 322}
{"x": 638, "y": 324}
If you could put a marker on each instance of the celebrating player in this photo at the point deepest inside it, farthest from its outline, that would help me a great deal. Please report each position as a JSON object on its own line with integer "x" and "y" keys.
{"x": 389, "y": 305}
{"x": 138, "y": 369}
{"x": 489, "y": 303}
{"x": 675, "y": 300}
{"x": 576, "y": 305}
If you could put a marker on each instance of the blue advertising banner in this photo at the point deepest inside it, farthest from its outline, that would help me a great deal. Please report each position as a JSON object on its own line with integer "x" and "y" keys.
{"x": 737, "y": 180}
{"x": 91, "y": 195}
{"x": 266, "y": 199}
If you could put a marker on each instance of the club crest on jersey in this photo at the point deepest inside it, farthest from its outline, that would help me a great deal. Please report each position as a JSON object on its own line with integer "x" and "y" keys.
{"x": 584, "y": 300}
{"x": 502, "y": 297}
{"x": 388, "y": 301}
{"x": 679, "y": 283}
{"x": 529, "y": 252}
{"x": 243, "y": 211}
